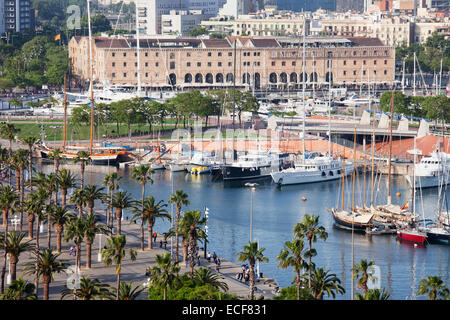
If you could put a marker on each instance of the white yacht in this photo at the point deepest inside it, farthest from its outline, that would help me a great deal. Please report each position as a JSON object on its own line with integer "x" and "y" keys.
{"x": 432, "y": 171}
{"x": 316, "y": 169}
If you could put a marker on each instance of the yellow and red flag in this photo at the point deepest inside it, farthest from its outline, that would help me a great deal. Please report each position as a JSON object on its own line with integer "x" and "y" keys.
{"x": 405, "y": 206}
{"x": 58, "y": 37}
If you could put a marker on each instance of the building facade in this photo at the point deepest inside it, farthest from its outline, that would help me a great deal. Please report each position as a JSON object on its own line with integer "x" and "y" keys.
{"x": 151, "y": 11}
{"x": 267, "y": 26}
{"x": 246, "y": 62}
{"x": 18, "y": 15}
{"x": 181, "y": 21}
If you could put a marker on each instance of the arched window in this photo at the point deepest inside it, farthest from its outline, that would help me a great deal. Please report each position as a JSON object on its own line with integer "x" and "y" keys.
{"x": 198, "y": 78}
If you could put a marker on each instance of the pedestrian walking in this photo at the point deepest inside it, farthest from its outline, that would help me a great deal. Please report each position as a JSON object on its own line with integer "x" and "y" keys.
{"x": 154, "y": 236}
{"x": 71, "y": 251}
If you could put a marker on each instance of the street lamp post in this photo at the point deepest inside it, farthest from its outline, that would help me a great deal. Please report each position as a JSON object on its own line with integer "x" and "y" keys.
{"x": 253, "y": 188}
{"x": 206, "y": 230}
{"x": 99, "y": 255}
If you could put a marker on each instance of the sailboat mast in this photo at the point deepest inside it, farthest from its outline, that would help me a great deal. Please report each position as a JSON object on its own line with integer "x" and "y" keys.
{"x": 373, "y": 167}
{"x": 303, "y": 83}
{"x": 91, "y": 75}
{"x": 354, "y": 170}
{"x": 414, "y": 179}
{"x": 390, "y": 149}
{"x": 329, "y": 117}
{"x": 414, "y": 76}
{"x": 138, "y": 46}
{"x": 65, "y": 114}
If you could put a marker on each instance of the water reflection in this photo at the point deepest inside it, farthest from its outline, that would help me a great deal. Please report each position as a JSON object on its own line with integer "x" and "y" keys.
{"x": 277, "y": 210}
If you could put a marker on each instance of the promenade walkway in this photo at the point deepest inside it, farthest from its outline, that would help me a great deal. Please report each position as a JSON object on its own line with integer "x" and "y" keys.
{"x": 135, "y": 270}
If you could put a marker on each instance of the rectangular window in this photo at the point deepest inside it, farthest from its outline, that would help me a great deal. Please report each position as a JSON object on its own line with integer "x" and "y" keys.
{"x": 125, "y": 75}
{"x": 219, "y": 54}
{"x": 188, "y": 64}
{"x": 199, "y": 64}
{"x": 156, "y": 64}
{"x": 113, "y": 75}
{"x": 230, "y": 64}
{"x": 283, "y": 63}
{"x": 375, "y": 62}
{"x": 124, "y": 54}
{"x": 345, "y": 62}
{"x": 209, "y": 54}
{"x": 188, "y": 54}
{"x": 230, "y": 54}
{"x": 113, "y": 54}
{"x": 219, "y": 64}
{"x": 124, "y": 64}
{"x": 273, "y": 63}
{"x": 172, "y": 65}
{"x": 113, "y": 64}
{"x": 209, "y": 64}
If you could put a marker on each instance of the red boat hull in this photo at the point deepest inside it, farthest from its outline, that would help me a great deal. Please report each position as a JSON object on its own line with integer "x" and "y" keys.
{"x": 412, "y": 236}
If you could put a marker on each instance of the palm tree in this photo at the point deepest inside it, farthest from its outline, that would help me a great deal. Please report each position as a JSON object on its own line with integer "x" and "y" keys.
{"x": 56, "y": 156}
{"x": 20, "y": 159}
{"x": 310, "y": 229}
{"x": 120, "y": 201}
{"x": 4, "y": 158}
{"x": 252, "y": 254}
{"x": 76, "y": 231}
{"x": 203, "y": 276}
{"x": 180, "y": 199}
{"x": 434, "y": 288}
{"x": 142, "y": 174}
{"x": 82, "y": 157}
{"x": 30, "y": 141}
{"x": 14, "y": 247}
{"x": 7, "y": 200}
{"x": 60, "y": 216}
{"x": 152, "y": 211}
{"x": 293, "y": 256}
{"x": 79, "y": 199}
{"x": 323, "y": 281}
{"x": 39, "y": 198}
{"x": 34, "y": 205}
{"x": 361, "y": 269}
{"x": 115, "y": 253}
{"x": 19, "y": 289}
{"x": 49, "y": 264}
{"x": 110, "y": 181}
{"x": 66, "y": 180}
{"x": 92, "y": 193}
{"x": 127, "y": 292}
{"x": 8, "y": 131}
{"x": 192, "y": 223}
{"x": 92, "y": 227}
{"x": 89, "y": 290}
{"x": 165, "y": 272}
{"x": 375, "y": 294}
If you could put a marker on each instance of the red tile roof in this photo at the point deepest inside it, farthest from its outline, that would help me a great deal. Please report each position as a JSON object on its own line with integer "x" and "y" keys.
{"x": 426, "y": 144}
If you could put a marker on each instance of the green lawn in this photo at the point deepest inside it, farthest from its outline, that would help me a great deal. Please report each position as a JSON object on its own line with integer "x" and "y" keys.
{"x": 54, "y": 132}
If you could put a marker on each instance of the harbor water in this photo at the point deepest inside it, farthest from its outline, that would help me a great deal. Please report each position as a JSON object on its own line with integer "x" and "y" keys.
{"x": 276, "y": 211}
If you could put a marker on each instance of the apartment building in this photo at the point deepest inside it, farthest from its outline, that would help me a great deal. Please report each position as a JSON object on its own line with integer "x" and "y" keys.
{"x": 253, "y": 62}
{"x": 151, "y": 11}
{"x": 18, "y": 15}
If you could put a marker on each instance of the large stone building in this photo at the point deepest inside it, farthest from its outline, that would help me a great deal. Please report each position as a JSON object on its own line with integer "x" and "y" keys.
{"x": 254, "y": 62}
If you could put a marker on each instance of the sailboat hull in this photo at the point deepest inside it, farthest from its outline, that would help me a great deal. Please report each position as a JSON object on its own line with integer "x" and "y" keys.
{"x": 291, "y": 176}
{"x": 411, "y": 235}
